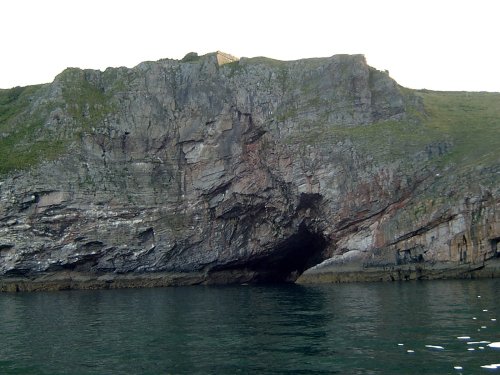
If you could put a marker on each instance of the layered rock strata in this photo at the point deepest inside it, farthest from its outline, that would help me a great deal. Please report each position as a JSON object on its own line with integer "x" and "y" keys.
{"x": 219, "y": 170}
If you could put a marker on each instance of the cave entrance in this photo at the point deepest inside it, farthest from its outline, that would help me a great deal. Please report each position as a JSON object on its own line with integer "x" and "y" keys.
{"x": 291, "y": 258}
{"x": 495, "y": 248}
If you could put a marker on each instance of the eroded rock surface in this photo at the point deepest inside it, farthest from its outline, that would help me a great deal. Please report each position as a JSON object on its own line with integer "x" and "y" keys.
{"x": 218, "y": 170}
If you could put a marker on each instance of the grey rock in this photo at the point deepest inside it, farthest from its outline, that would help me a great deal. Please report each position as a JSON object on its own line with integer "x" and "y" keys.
{"x": 238, "y": 171}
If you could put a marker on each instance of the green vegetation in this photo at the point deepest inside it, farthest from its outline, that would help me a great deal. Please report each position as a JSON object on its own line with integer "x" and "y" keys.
{"x": 191, "y": 57}
{"x": 470, "y": 120}
{"x": 87, "y": 104}
{"x": 23, "y": 141}
{"x": 267, "y": 61}
{"x": 23, "y": 147}
{"x": 14, "y": 101}
{"x": 456, "y": 129}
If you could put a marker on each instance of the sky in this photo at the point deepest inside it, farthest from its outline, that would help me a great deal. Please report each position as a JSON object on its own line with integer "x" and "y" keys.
{"x": 432, "y": 44}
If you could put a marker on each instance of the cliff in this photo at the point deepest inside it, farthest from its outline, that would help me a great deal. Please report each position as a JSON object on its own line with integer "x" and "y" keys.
{"x": 218, "y": 170}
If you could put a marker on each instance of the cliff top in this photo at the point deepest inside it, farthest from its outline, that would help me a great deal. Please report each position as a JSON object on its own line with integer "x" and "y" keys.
{"x": 30, "y": 115}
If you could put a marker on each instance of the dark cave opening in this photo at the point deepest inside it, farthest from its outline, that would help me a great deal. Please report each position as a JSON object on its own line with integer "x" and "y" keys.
{"x": 494, "y": 246}
{"x": 291, "y": 258}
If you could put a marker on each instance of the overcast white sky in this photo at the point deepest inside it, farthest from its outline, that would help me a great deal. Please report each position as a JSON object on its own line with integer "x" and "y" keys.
{"x": 433, "y": 44}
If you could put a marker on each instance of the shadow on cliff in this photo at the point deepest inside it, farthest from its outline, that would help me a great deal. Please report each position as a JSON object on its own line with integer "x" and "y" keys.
{"x": 284, "y": 264}
{"x": 291, "y": 258}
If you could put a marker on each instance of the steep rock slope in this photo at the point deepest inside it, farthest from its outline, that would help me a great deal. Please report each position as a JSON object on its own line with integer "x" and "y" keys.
{"x": 218, "y": 170}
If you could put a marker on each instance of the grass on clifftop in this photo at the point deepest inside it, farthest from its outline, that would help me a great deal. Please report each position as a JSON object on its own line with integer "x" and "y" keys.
{"x": 25, "y": 140}
{"x": 13, "y": 101}
{"x": 457, "y": 129}
{"x": 87, "y": 104}
{"x": 470, "y": 120}
{"x": 21, "y": 143}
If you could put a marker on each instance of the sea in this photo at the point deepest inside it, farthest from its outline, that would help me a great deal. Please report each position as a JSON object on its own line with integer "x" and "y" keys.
{"x": 417, "y": 327}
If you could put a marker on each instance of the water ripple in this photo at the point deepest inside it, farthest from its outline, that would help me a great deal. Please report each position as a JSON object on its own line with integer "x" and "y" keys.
{"x": 397, "y": 328}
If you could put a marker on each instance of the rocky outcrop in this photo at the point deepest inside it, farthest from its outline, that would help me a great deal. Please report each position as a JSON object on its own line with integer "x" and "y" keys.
{"x": 219, "y": 170}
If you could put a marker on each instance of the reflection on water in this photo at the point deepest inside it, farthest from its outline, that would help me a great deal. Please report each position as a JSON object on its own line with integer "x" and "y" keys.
{"x": 397, "y": 328}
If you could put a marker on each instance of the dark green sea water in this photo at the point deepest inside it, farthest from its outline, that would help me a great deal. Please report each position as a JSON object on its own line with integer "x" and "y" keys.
{"x": 330, "y": 329}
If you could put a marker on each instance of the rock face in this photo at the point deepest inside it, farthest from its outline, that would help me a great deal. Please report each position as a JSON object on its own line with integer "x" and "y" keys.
{"x": 218, "y": 170}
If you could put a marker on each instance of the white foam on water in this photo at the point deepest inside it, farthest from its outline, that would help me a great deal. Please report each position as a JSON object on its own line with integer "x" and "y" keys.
{"x": 494, "y": 344}
{"x": 478, "y": 342}
{"x": 463, "y": 337}
{"x": 439, "y": 347}
{"x": 493, "y": 366}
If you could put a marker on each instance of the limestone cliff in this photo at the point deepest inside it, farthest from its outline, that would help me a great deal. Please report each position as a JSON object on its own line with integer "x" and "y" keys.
{"x": 217, "y": 170}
